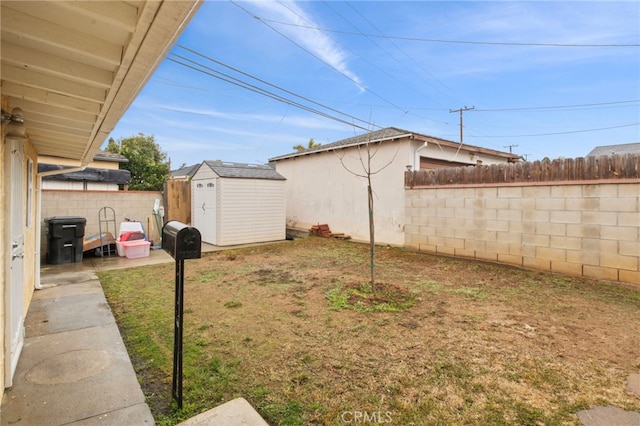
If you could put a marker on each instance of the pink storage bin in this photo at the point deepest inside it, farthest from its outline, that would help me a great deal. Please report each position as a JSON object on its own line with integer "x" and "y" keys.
{"x": 137, "y": 248}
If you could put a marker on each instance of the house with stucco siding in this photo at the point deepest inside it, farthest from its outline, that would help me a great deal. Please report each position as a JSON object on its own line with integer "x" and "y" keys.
{"x": 327, "y": 184}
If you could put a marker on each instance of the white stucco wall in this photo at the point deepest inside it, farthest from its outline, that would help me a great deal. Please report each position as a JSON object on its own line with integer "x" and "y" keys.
{"x": 319, "y": 189}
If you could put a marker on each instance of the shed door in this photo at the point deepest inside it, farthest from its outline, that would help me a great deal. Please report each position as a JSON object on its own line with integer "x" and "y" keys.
{"x": 204, "y": 209}
{"x": 14, "y": 325}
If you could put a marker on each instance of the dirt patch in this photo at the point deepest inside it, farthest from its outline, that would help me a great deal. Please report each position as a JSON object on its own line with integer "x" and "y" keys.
{"x": 479, "y": 344}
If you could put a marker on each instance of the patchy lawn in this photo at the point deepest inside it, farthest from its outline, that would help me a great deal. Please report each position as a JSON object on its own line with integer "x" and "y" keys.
{"x": 467, "y": 343}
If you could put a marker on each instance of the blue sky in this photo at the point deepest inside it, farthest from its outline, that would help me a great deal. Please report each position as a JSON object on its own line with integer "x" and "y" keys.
{"x": 554, "y": 78}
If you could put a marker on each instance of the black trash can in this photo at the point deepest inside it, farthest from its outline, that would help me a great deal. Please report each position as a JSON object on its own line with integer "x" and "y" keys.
{"x": 66, "y": 237}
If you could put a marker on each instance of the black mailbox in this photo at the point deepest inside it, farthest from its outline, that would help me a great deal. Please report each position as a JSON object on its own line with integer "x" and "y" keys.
{"x": 181, "y": 241}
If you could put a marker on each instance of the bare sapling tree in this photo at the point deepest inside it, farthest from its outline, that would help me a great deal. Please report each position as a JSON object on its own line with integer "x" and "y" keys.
{"x": 365, "y": 159}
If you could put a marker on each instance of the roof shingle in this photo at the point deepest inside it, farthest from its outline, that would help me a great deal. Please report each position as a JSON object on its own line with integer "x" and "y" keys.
{"x": 389, "y": 134}
{"x": 244, "y": 171}
{"x": 621, "y": 149}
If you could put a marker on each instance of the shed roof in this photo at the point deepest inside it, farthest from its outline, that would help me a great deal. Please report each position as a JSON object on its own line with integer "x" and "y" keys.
{"x": 186, "y": 171}
{"x": 620, "y": 149}
{"x": 90, "y": 174}
{"x": 110, "y": 156}
{"x": 244, "y": 170}
{"x": 391, "y": 134}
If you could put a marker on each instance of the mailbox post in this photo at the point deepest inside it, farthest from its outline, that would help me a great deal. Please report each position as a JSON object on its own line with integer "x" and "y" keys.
{"x": 181, "y": 242}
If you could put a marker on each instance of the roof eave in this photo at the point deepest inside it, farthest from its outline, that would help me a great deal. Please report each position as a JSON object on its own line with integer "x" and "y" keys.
{"x": 163, "y": 23}
{"x": 469, "y": 148}
{"x": 331, "y": 147}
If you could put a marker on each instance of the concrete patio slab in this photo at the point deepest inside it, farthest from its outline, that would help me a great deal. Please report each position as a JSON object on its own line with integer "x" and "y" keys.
{"x": 237, "y": 412}
{"x": 608, "y": 416}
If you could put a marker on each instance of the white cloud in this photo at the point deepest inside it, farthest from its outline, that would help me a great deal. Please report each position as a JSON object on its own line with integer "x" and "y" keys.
{"x": 202, "y": 118}
{"x": 317, "y": 42}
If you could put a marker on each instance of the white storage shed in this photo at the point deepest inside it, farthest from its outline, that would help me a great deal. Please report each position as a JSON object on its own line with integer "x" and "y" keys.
{"x": 237, "y": 203}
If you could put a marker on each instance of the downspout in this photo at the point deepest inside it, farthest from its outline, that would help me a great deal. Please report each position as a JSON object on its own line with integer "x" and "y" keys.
{"x": 39, "y": 176}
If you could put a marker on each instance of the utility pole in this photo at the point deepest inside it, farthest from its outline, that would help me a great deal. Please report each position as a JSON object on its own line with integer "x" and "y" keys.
{"x": 510, "y": 146}
{"x": 461, "y": 110}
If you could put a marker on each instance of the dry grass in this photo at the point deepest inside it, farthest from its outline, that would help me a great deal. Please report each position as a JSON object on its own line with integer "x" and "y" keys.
{"x": 482, "y": 344}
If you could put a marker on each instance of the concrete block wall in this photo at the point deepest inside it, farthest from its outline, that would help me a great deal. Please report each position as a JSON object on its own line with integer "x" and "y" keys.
{"x": 580, "y": 229}
{"x": 135, "y": 205}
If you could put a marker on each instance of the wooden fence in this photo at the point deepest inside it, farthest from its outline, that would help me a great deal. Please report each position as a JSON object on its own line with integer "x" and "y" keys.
{"x": 177, "y": 200}
{"x": 570, "y": 169}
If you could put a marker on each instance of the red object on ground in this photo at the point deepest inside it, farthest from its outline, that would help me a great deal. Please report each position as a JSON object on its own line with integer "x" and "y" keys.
{"x": 324, "y": 231}
{"x": 131, "y": 236}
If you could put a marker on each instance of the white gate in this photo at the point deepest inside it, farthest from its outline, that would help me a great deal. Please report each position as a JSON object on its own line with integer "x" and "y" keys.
{"x": 14, "y": 296}
{"x": 204, "y": 209}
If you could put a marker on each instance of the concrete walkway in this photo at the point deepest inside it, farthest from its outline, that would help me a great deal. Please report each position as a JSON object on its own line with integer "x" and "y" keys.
{"x": 74, "y": 368}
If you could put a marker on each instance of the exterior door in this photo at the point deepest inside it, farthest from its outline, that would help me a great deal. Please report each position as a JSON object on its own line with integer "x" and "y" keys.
{"x": 204, "y": 209}
{"x": 14, "y": 297}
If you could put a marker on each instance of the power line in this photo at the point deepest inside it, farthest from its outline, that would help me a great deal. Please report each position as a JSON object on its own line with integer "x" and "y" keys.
{"x": 360, "y": 85}
{"x": 269, "y": 95}
{"x": 555, "y": 106}
{"x": 194, "y": 65}
{"x": 272, "y": 85}
{"x": 560, "y": 133}
{"x": 243, "y": 84}
{"x": 410, "y": 69}
{"x": 263, "y": 21}
{"x": 375, "y": 65}
{"x": 405, "y": 110}
{"x": 433, "y": 40}
{"x": 237, "y": 82}
{"x": 382, "y": 70}
{"x": 376, "y": 44}
{"x": 579, "y": 107}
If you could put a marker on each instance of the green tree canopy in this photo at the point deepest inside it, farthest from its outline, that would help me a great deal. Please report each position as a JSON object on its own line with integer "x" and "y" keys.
{"x": 310, "y": 144}
{"x": 147, "y": 163}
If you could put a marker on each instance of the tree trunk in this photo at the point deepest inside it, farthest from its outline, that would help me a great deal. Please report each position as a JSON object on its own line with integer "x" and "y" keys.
{"x": 372, "y": 242}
